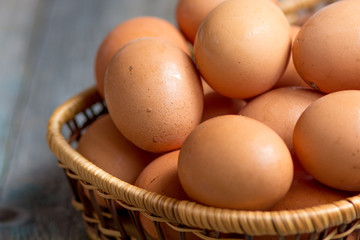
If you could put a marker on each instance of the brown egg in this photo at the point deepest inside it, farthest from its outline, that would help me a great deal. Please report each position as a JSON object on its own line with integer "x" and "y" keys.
{"x": 236, "y": 162}
{"x": 216, "y": 104}
{"x": 291, "y": 76}
{"x": 326, "y": 51}
{"x": 144, "y": 26}
{"x": 327, "y": 140}
{"x": 103, "y": 145}
{"x": 190, "y": 14}
{"x": 155, "y": 100}
{"x": 280, "y": 109}
{"x": 242, "y": 47}
{"x": 306, "y": 192}
{"x": 161, "y": 176}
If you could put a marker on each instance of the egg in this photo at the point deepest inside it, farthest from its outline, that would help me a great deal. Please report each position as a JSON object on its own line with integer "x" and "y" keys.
{"x": 327, "y": 140}
{"x": 190, "y": 14}
{"x": 235, "y": 162}
{"x": 103, "y": 145}
{"x": 326, "y": 51}
{"x": 306, "y": 192}
{"x": 242, "y": 47}
{"x": 161, "y": 176}
{"x": 280, "y": 109}
{"x": 143, "y": 26}
{"x": 291, "y": 76}
{"x": 154, "y": 94}
{"x": 216, "y": 104}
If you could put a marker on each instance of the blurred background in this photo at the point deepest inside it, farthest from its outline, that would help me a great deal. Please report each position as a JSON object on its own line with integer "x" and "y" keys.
{"x": 47, "y": 55}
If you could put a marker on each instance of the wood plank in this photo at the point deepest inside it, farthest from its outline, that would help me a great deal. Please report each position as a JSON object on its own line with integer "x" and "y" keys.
{"x": 57, "y": 62}
{"x": 14, "y": 38}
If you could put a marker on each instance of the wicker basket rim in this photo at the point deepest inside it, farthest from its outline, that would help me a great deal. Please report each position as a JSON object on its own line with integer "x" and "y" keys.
{"x": 284, "y": 222}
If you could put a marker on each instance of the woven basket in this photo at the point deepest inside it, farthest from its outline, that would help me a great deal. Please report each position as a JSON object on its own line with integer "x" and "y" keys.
{"x": 336, "y": 220}
{"x": 330, "y": 221}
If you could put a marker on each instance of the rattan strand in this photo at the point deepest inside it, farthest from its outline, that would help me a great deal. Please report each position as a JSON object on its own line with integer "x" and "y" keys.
{"x": 88, "y": 186}
{"x": 185, "y": 212}
{"x": 346, "y": 233}
{"x": 202, "y": 236}
{"x": 77, "y": 205}
{"x": 94, "y": 220}
{"x": 90, "y": 219}
{"x": 108, "y": 232}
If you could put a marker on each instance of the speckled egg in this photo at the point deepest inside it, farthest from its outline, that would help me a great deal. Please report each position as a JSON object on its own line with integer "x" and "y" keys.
{"x": 154, "y": 94}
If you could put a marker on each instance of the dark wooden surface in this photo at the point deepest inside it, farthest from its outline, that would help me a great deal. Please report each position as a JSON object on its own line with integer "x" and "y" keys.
{"x": 47, "y": 53}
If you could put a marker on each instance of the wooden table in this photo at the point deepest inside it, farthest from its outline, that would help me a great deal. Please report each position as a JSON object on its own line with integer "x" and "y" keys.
{"x": 47, "y": 54}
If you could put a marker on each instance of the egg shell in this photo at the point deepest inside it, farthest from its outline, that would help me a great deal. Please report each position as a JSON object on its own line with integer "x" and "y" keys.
{"x": 242, "y": 47}
{"x": 327, "y": 140}
{"x": 235, "y": 162}
{"x": 280, "y": 109}
{"x": 103, "y": 145}
{"x": 291, "y": 76}
{"x": 154, "y": 94}
{"x": 161, "y": 176}
{"x": 305, "y": 191}
{"x": 137, "y": 27}
{"x": 216, "y": 104}
{"x": 190, "y": 14}
{"x": 326, "y": 51}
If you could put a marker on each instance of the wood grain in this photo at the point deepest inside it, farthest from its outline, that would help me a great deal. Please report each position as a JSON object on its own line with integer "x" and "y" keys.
{"x": 48, "y": 49}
